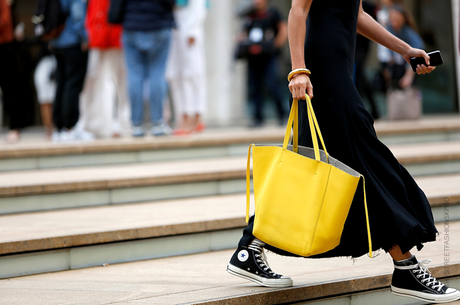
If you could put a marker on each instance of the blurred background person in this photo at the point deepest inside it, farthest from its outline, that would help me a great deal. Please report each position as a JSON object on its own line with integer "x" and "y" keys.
{"x": 382, "y": 78}
{"x": 45, "y": 86}
{"x": 404, "y": 101}
{"x": 186, "y": 69}
{"x": 361, "y": 52}
{"x": 105, "y": 109}
{"x": 71, "y": 51}
{"x": 402, "y": 26}
{"x": 383, "y": 17}
{"x": 147, "y": 29}
{"x": 265, "y": 32}
{"x": 14, "y": 87}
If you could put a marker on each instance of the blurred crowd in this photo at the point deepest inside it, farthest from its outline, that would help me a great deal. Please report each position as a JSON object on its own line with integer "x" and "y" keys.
{"x": 395, "y": 78}
{"x": 264, "y": 33}
{"x": 101, "y": 61}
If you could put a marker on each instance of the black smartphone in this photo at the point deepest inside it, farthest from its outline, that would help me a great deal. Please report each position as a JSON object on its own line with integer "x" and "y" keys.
{"x": 435, "y": 60}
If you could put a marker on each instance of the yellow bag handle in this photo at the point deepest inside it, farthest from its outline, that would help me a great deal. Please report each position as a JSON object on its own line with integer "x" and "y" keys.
{"x": 289, "y": 126}
{"x": 369, "y": 239}
{"x": 312, "y": 116}
{"x": 248, "y": 182}
{"x": 314, "y": 127}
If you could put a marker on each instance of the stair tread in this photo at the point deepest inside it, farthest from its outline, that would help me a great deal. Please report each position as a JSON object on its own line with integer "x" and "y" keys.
{"x": 425, "y": 124}
{"x": 86, "y": 226}
{"x": 213, "y": 138}
{"x": 87, "y": 178}
{"x": 423, "y": 152}
{"x": 83, "y": 226}
{"x": 138, "y": 174}
{"x": 201, "y": 278}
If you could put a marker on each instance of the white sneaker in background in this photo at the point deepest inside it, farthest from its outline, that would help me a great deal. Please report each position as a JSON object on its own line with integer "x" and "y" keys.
{"x": 65, "y": 136}
{"x": 76, "y": 134}
{"x": 138, "y": 131}
{"x": 83, "y": 135}
{"x": 56, "y": 136}
{"x": 161, "y": 130}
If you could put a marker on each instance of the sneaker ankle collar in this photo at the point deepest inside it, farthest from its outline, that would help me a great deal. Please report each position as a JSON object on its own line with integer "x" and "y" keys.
{"x": 256, "y": 245}
{"x": 405, "y": 262}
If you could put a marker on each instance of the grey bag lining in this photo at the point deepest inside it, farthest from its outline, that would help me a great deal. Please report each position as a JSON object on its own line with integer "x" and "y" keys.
{"x": 310, "y": 153}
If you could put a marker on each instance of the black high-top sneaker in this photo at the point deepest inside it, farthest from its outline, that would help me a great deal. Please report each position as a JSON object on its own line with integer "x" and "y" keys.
{"x": 412, "y": 278}
{"x": 251, "y": 263}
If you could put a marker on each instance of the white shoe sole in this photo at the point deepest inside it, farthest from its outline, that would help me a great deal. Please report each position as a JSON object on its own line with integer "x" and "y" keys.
{"x": 275, "y": 283}
{"x": 441, "y": 298}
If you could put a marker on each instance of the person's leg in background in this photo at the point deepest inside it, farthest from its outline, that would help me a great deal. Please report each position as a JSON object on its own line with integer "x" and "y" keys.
{"x": 89, "y": 98}
{"x": 103, "y": 98}
{"x": 76, "y": 62}
{"x": 362, "y": 84}
{"x": 196, "y": 76}
{"x": 190, "y": 83}
{"x": 11, "y": 87}
{"x": 45, "y": 86}
{"x": 57, "y": 106}
{"x": 174, "y": 72}
{"x": 46, "y": 112}
{"x": 74, "y": 70}
{"x": 157, "y": 58}
{"x": 121, "y": 124}
{"x": 255, "y": 80}
{"x": 135, "y": 67}
{"x": 273, "y": 87}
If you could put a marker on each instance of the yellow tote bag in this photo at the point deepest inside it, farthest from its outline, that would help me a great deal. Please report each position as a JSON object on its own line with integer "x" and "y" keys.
{"x": 302, "y": 195}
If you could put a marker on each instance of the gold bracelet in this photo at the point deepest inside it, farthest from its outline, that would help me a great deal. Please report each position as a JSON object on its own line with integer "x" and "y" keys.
{"x": 298, "y": 71}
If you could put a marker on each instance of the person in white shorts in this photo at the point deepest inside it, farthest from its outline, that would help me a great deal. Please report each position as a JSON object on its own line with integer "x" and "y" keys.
{"x": 45, "y": 86}
{"x": 186, "y": 70}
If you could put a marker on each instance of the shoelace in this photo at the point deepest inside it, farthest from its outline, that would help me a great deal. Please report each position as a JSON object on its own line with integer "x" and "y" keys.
{"x": 422, "y": 272}
{"x": 261, "y": 259}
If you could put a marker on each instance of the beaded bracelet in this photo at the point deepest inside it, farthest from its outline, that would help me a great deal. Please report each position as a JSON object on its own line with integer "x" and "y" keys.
{"x": 298, "y": 71}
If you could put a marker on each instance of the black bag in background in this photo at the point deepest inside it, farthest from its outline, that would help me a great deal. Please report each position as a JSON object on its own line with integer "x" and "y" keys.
{"x": 246, "y": 49}
{"x": 116, "y": 11}
{"x": 49, "y": 19}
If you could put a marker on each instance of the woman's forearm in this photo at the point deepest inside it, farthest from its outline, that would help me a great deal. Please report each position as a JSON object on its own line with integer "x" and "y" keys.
{"x": 371, "y": 29}
{"x": 296, "y": 31}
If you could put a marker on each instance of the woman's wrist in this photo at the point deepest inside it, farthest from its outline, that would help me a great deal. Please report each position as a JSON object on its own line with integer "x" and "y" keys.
{"x": 294, "y": 76}
{"x": 296, "y": 72}
{"x": 406, "y": 50}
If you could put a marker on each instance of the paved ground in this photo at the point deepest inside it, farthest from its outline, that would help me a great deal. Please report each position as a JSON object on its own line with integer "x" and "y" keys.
{"x": 192, "y": 278}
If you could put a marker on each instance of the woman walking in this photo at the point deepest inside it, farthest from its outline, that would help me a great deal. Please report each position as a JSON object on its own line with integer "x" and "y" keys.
{"x": 399, "y": 212}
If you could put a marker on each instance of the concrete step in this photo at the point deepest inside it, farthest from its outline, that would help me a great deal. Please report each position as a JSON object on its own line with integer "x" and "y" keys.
{"x": 43, "y": 155}
{"x": 422, "y": 159}
{"x": 216, "y": 143}
{"x": 69, "y": 239}
{"x": 427, "y": 129}
{"x": 65, "y": 188}
{"x": 201, "y": 279}
{"x": 36, "y": 190}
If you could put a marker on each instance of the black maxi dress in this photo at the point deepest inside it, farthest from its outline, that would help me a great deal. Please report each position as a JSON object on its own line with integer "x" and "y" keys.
{"x": 399, "y": 211}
